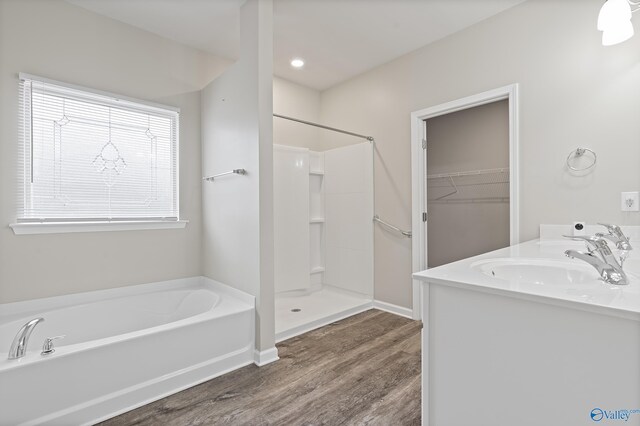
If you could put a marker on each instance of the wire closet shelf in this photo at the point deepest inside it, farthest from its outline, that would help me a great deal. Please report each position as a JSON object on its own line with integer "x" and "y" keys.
{"x": 476, "y": 186}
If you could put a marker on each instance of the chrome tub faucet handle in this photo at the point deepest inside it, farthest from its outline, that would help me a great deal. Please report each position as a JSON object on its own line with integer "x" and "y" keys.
{"x": 47, "y": 346}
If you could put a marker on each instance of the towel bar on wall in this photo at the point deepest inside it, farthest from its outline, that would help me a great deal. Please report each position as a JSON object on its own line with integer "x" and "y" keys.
{"x": 234, "y": 171}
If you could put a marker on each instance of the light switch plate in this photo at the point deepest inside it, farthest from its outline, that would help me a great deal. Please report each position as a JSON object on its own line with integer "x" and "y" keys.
{"x": 630, "y": 201}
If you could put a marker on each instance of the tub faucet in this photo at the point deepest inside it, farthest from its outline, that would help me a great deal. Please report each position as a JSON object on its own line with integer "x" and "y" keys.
{"x": 19, "y": 345}
{"x": 601, "y": 257}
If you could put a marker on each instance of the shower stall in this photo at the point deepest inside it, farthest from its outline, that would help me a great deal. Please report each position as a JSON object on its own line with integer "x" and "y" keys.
{"x": 323, "y": 234}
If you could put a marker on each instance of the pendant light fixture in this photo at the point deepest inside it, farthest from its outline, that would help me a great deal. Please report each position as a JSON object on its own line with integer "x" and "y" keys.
{"x": 614, "y": 21}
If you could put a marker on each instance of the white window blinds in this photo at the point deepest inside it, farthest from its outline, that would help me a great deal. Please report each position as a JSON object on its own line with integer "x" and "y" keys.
{"x": 95, "y": 157}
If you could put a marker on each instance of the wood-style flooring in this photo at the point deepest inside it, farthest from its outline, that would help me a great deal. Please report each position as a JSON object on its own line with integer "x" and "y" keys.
{"x": 364, "y": 370}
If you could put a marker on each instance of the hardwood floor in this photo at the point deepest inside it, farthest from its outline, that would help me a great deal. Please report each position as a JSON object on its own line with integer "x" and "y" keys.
{"x": 364, "y": 370}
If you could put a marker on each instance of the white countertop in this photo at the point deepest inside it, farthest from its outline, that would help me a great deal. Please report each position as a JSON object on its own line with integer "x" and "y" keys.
{"x": 591, "y": 295}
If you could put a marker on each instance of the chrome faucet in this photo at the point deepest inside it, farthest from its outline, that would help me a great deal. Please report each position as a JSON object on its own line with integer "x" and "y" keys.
{"x": 617, "y": 237}
{"x": 19, "y": 344}
{"x": 601, "y": 257}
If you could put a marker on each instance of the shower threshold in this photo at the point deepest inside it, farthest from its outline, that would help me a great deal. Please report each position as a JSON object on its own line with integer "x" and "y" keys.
{"x": 298, "y": 314}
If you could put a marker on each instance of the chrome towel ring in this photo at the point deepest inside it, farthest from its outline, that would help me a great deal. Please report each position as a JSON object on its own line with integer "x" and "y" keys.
{"x": 577, "y": 153}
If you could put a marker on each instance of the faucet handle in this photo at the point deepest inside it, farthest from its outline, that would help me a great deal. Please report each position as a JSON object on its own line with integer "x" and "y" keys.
{"x": 587, "y": 238}
{"x": 613, "y": 229}
{"x": 594, "y": 242}
{"x": 47, "y": 347}
{"x": 617, "y": 236}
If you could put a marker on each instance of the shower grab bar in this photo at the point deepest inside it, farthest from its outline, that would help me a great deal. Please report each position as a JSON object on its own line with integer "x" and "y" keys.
{"x": 234, "y": 171}
{"x": 407, "y": 234}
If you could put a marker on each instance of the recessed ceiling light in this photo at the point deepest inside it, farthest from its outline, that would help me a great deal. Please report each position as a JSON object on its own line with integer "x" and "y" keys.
{"x": 297, "y": 63}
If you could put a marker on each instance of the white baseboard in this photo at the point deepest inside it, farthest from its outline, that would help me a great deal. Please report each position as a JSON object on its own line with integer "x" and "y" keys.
{"x": 393, "y": 309}
{"x": 261, "y": 358}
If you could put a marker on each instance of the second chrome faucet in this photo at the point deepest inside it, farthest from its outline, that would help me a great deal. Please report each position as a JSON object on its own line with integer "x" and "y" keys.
{"x": 600, "y": 256}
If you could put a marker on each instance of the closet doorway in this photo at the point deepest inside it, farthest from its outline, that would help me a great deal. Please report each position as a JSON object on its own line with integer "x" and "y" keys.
{"x": 467, "y": 199}
{"x": 465, "y": 179}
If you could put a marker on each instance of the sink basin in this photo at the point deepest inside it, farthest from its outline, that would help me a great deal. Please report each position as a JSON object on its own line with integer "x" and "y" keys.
{"x": 537, "y": 271}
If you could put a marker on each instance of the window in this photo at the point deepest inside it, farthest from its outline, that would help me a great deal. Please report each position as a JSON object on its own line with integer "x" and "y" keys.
{"x": 90, "y": 156}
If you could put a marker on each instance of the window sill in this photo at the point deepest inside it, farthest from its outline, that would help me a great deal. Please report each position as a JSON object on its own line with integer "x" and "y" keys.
{"x": 67, "y": 227}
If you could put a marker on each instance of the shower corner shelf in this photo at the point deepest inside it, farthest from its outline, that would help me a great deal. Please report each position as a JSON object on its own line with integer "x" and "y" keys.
{"x": 317, "y": 270}
{"x": 316, "y": 220}
{"x": 316, "y": 172}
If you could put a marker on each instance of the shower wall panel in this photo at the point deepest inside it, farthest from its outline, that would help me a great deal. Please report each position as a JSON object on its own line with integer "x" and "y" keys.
{"x": 291, "y": 218}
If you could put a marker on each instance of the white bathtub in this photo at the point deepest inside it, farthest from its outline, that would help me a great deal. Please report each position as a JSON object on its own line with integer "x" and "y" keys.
{"x": 123, "y": 348}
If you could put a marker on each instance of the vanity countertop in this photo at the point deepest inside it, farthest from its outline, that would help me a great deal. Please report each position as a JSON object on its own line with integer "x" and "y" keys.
{"x": 538, "y": 270}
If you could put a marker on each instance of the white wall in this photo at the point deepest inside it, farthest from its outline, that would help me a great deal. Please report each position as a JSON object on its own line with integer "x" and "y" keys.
{"x": 54, "y": 39}
{"x": 573, "y": 92}
{"x": 293, "y": 100}
{"x": 237, "y": 133}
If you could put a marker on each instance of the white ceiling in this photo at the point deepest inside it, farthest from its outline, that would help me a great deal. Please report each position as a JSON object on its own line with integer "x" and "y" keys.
{"x": 338, "y": 39}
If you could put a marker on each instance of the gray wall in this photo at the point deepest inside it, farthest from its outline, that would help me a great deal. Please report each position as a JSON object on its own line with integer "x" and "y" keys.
{"x": 294, "y": 100}
{"x": 472, "y": 139}
{"x": 54, "y": 39}
{"x": 574, "y": 92}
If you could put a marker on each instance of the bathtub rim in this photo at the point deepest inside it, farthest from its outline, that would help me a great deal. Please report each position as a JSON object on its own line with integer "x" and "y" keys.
{"x": 55, "y": 302}
{"x": 231, "y": 302}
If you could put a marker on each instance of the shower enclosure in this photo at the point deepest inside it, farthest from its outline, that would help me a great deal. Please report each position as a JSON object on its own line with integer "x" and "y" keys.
{"x": 323, "y": 226}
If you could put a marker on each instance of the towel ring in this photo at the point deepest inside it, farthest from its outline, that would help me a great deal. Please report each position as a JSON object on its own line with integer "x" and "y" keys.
{"x": 577, "y": 153}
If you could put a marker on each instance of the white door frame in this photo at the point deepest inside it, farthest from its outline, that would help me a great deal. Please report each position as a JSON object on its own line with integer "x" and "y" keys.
{"x": 419, "y": 243}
